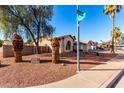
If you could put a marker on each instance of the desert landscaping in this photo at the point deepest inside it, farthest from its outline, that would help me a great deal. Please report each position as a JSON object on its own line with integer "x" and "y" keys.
{"x": 27, "y": 74}
{"x": 48, "y": 46}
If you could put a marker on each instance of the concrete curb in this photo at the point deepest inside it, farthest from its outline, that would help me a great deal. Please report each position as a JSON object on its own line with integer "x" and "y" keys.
{"x": 113, "y": 83}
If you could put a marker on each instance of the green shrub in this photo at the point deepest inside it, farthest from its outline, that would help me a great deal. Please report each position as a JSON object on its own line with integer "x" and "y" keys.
{"x": 1, "y": 43}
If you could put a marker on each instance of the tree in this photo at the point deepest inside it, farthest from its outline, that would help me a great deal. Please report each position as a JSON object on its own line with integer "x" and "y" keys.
{"x": 29, "y": 41}
{"x": 34, "y": 20}
{"x": 105, "y": 44}
{"x": 3, "y": 23}
{"x": 111, "y": 10}
{"x": 1, "y": 43}
{"x": 117, "y": 34}
{"x": 121, "y": 39}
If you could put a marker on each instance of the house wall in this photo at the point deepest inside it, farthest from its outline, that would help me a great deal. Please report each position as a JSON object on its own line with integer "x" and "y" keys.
{"x": 45, "y": 42}
{"x": 89, "y": 47}
{"x": 85, "y": 46}
{"x": 65, "y": 43}
{"x": 62, "y": 42}
{"x": 92, "y": 47}
{"x": 82, "y": 47}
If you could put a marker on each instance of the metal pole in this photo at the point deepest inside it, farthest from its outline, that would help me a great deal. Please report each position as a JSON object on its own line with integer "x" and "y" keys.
{"x": 78, "y": 44}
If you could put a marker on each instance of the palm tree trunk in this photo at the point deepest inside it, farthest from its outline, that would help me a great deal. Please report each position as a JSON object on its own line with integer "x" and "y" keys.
{"x": 113, "y": 36}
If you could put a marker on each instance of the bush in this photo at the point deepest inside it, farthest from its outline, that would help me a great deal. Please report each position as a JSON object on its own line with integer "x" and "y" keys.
{"x": 1, "y": 43}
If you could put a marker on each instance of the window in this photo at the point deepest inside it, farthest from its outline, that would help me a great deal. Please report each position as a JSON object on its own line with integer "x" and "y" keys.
{"x": 68, "y": 45}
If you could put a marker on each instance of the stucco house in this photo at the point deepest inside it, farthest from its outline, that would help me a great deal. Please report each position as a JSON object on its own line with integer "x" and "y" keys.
{"x": 93, "y": 45}
{"x": 83, "y": 46}
{"x": 66, "y": 42}
{"x": 86, "y": 45}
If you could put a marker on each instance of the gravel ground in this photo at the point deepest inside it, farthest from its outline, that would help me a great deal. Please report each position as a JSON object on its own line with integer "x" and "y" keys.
{"x": 27, "y": 74}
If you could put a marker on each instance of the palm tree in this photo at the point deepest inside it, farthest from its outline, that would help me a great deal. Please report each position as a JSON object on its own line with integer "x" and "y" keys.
{"x": 111, "y": 10}
{"x": 117, "y": 34}
{"x": 122, "y": 39}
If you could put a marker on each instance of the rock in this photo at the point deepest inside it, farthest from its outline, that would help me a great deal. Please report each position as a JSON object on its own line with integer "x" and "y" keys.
{"x": 35, "y": 60}
{"x": 97, "y": 54}
{"x": 63, "y": 64}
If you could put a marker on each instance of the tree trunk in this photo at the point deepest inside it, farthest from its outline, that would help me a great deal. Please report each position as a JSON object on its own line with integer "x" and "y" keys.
{"x": 113, "y": 37}
{"x": 37, "y": 48}
{"x": 36, "y": 42}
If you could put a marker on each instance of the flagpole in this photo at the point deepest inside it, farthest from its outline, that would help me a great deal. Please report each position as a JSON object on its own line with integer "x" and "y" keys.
{"x": 78, "y": 44}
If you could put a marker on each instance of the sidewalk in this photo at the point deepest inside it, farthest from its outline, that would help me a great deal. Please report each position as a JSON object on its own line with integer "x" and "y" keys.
{"x": 97, "y": 77}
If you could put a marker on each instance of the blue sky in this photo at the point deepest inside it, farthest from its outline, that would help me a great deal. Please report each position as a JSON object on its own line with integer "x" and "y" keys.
{"x": 96, "y": 26}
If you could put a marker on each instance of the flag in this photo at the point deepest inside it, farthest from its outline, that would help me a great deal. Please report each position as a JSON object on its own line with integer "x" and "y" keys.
{"x": 81, "y": 15}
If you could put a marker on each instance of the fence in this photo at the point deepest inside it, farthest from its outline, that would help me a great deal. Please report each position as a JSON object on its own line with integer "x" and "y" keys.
{"x": 7, "y": 50}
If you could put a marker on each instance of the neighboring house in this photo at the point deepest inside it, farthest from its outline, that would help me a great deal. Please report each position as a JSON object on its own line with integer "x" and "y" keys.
{"x": 83, "y": 46}
{"x": 86, "y": 45}
{"x": 45, "y": 45}
{"x": 93, "y": 45}
{"x": 66, "y": 42}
